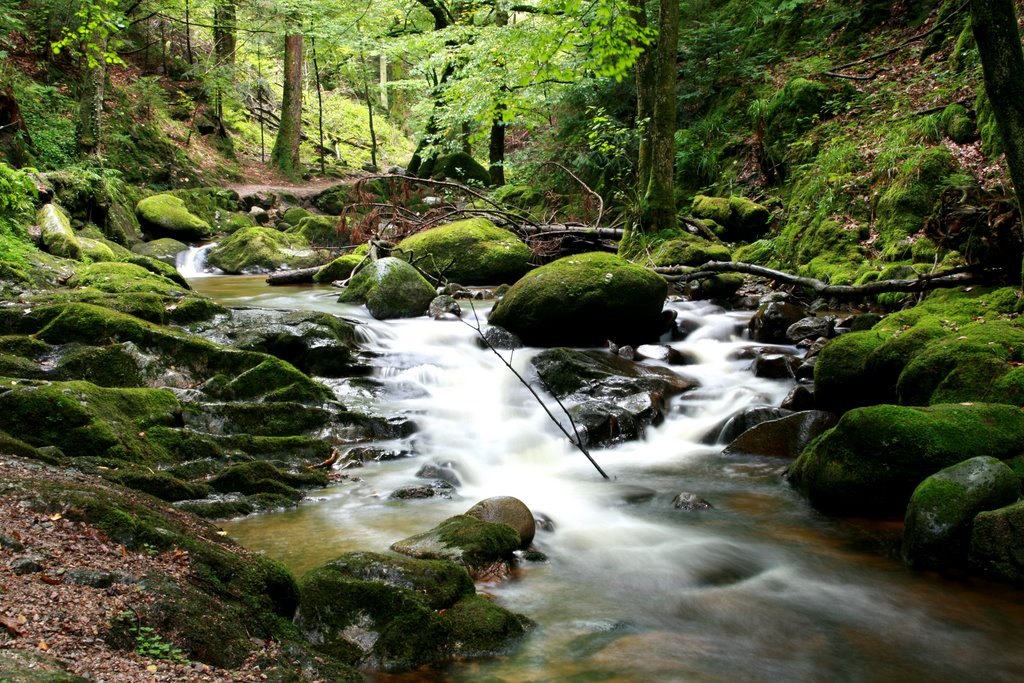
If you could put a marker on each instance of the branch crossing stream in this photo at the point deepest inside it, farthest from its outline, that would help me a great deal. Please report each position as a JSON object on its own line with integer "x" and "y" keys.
{"x": 758, "y": 588}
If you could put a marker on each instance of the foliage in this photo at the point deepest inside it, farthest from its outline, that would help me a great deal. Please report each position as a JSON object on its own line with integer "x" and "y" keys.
{"x": 93, "y": 38}
{"x": 17, "y": 195}
{"x": 149, "y": 643}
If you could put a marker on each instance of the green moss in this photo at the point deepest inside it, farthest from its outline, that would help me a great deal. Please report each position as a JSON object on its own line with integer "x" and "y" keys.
{"x": 164, "y": 249}
{"x": 282, "y": 418}
{"x": 689, "y": 251}
{"x": 875, "y": 457}
{"x": 95, "y": 250}
{"x": 957, "y": 124}
{"x": 213, "y": 205}
{"x": 321, "y": 231}
{"x": 902, "y": 208}
{"x": 158, "y": 267}
{"x": 390, "y": 288}
{"x": 261, "y": 477}
{"x": 338, "y": 269}
{"x": 259, "y": 249}
{"x": 481, "y": 628}
{"x": 57, "y": 236}
{"x": 841, "y": 380}
{"x": 165, "y": 215}
{"x": 469, "y": 252}
{"x": 118, "y": 278}
{"x": 116, "y": 365}
{"x": 458, "y": 166}
{"x": 584, "y": 300}
{"x": 159, "y": 484}
{"x": 996, "y": 548}
{"x": 292, "y": 216}
{"x": 276, "y": 380}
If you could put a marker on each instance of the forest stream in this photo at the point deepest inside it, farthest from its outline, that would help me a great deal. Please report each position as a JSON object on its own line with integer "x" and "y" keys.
{"x": 761, "y": 587}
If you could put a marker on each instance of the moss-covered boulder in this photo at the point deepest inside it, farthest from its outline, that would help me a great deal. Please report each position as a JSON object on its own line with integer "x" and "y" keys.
{"x": 160, "y": 484}
{"x": 793, "y": 110}
{"x": 870, "y": 463}
{"x": 901, "y": 210}
{"x": 469, "y": 252}
{"x": 338, "y": 269}
{"x": 126, "y": 277}
{"x": 457, "y": 166}
{"x": 841, "y": 380}
{"x": 273, "y": 380}
{"x": 507, "y": 510}
{"x": 164, "y": 249}
{"x": 216, "y": 206}
{"x": 164, "y": 215}
{"x": 292, "y": 216}
{"x": 940, "y": 515}
{"x": 584, "y": 300}
{"x": 57, "y": 236}
{"x": 261, "y": 250}
{"x": 997, "y": 544}
{"x": 321, "y": 231}
{"x": 733, "y": 219}
{"x": 472, "y": 542}
{"x": 394, "y": 613}
{"x": 689, "y": 250}
{"x": 96, "y": 250}
{"x": 262, "y": 477}
{"x": 390, "y": 288}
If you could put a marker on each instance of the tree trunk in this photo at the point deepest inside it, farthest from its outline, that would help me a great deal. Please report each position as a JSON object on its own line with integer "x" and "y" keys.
{"x": 224, "y": 40}
{"x": 995, "y": 31}
{"x": 496, "y": 149}
{"x": 285, "y": 154}
{"x": 659, "y": 204}
{"x": 90, "y": 102}
{"x": 644, "y": 99}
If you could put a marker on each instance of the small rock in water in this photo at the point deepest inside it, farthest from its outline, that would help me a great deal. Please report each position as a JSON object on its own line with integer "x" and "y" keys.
{"x": 500, "y": 338}
{"x": 507, "y": 510}
{"x": 435, "y": 489}
{"x": 690, "y": 502}
{"x": 445, "y": 307}
{"x": 433, "y": 470}
{"x": 543, "y": 522}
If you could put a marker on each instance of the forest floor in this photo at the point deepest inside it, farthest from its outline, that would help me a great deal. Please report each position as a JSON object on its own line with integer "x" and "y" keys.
{"x": 43, "y": 611}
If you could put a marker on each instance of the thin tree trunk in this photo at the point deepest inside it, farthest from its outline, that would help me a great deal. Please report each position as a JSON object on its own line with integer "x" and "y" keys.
{"x": 188, "y": 33}
{"x": 285, "y": 154}
{"x": 224, "y": 40}
{"x": 995, "y": 31}
{"x": 644, "y": 68}
{"x": 659, "y": 210}
{"x": 319, "y": 106}
{"x": 496, "y": 149}
{"x": 90, "y": 109}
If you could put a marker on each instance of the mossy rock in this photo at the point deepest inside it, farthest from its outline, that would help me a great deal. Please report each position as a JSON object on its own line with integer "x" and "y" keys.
{"x": 261, "y": 250}
{"x": 117, "y": 278}
{"x": 689, "y": 251}
{"x": 321, "y": 231}
{"x": 390, "y": 288}
{"x": 469, "y": 252}
{"x": 165, "y": 249}
{"x": 870, "y": 463}
{"x": 334, "y": 200}
{"x": 211, "y": 204}
{"x": 158, "y": 267}
{"x": 957, "y": 124}
{"x": 794, "y": 109}
{"x": 841, "y": 380}
{"x": 292, "y": 216}
{"x": 997, "y": 545}
{"x": 465, "y": 539}
{"x": 822, "y": 249}
{"x": 457, "y": 166}
{"x": 584, "y": 300}
{"x": 115, "y": 365}
{"x": 734, "y": 219}
{"x": 99, "y": 198}
{"x": 94, "y": 250}
{"x": 83, "y": 419}
{"x": 57, "y": 236}
{"x": 391, "y": 612}
{"x": 941, "y": 512}
{"x": 164, "y": 215}
{"x": 275, "y": 380}
{"x": 262, "y": 477}
{"x": 278, "y": 418}
{"x": 338, "y": 269}
{"x": 25, "y": 666}
{"x": 160, "y": 484}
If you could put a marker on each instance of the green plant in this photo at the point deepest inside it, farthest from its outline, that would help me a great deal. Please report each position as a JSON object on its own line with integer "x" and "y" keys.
{"x": 149, "y": 643}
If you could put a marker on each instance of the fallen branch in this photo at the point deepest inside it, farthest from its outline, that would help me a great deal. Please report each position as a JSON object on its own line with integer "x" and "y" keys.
{"x": 576, "y": 440}
{"x": 292, "y": 277}
{"x": 600, "y": 201}
{"x": 335, "y": 454}
{"x": 951, "y": 278}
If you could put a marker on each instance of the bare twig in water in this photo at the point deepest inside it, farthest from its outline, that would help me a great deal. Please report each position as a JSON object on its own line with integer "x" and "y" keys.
{"x": 576, "y": 441}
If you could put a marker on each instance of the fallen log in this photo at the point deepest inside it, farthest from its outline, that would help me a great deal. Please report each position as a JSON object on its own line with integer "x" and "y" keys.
{"x": 293, "y": 277}
{"x": 956, "y": 277}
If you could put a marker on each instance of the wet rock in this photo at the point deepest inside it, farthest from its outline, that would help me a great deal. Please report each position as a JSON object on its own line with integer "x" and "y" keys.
{"x": 741, "y": 422}
{"x": 629, "y": 494}
{"x": 25, "y": 565}
{"x": 800, "y": 397}
{"x": 602, "y": 423}
{"x": 544, "y": 522}
{"x": 690, "y": 502}
{"x": 811, "y": 328}
{"x": 444, "y": 307}
{"x": 358, "y": 455}
{"x": 665, "y": 354}
{"x": 805, "y": 370}
{"x": 500, "y": 338}
{"x": 390, "y": 288}
{"x": 864, "y": 321}
{"x": 433, "y": 470}
{"x": 164, "y": 249}
{"x": 261, "y": 249}
{"x": 435, "y": 489}
{"x": 772, "y": 320}
{"x": 472, "y": 542}
{"x": 785, "y": 437}
{"x": 584, "y": 300}
{"x": 776, "y": 366}
{"x": 507, "y": 510}
{"x": 259, "y": 215}
{"x": 941, "y": 512}
{"x": 997, "y": 546}
{"x": 394, "y": 613}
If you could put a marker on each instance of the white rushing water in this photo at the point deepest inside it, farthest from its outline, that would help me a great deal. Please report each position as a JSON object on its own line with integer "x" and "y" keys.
{"x": 191, "y": 263}
{"x": 759, "y": 588}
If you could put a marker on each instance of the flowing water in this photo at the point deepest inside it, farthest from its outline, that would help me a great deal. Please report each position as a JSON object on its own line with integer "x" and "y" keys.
{"x": 760, "y": 588}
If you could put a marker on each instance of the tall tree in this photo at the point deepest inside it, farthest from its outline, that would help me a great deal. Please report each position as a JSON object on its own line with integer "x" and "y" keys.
{"x": 285, "y": 154}
{"x": 644, "y": 68}
{"x": 995, "y": 31}
{"x": 658, "y": 207}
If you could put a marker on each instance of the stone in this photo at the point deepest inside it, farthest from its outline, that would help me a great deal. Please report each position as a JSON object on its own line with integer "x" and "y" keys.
{"x": 433, "y": 470}
{"x": 507, "y": 510}
{"x": 772, "y": 320}
{"x": 56, "y": 234}
{"x": 444, "y": 307}
{"x": 785, "y": 437}
{"x": 747, "y": 418}
{"x": 262, "y": 250}
{"x": 25, "y": 565}
{"x": 164, "y": 249}
{"x": 690, "y": 502}
{"x": 470, "y": 252}
{"x": 997, "y": 543}
{"x": 800, "y": 397}
{"x": 811, "y": 328}
{"x": 435, "y": 489}
{"x": 584, "y": 300}
{"x": 164, "y": 215}
{"x": 390, "y": 288}
{"x": 500, "y": 338}
{"x": 776, "y": 365}
{"x": 940, "y": 515}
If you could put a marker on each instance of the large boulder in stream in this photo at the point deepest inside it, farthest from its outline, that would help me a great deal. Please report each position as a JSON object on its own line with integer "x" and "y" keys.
{"x": 785, "y": 437}
{"x": 871, "y": 461}
{"x": 390, "y": 288}
{"x": 393, "y": 613}
{"x": 164, "y": 215}
{"x": 469, "y": 252}
{"x": 57, "y": 236}
{"x": 997, "y": 544}
{"x": 940, "y": 516}
{"x": 610, "y": 398}
{"x": 585, "y": 300}
{"x": 261, "y": 250}
{"x": 483, "y": 548}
